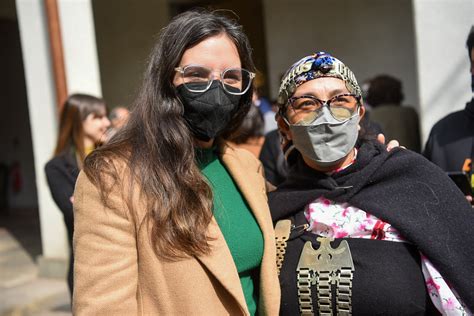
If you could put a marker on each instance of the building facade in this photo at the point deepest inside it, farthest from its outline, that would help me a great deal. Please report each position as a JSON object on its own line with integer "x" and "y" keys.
{"x": 106, "y": 43}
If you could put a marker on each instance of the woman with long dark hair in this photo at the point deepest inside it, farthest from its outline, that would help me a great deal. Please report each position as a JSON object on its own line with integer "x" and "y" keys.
{"x": 82, "y": 128}
{"x": 169, "y": 218}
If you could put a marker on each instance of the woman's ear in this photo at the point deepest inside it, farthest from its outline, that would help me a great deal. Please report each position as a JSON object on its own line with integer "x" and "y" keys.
{"x": 361, "y": 112}
{"x": 283, "y": 127}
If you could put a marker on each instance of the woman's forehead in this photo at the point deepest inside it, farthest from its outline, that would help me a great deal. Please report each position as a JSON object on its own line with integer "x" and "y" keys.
{"x": 216, "y": 52}
{"x": 322, "y": 85}
{"x": 99, "y": 110}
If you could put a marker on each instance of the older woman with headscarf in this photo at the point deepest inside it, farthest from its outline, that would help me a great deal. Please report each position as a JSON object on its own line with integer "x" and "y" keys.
{"x": 361, "y": 230}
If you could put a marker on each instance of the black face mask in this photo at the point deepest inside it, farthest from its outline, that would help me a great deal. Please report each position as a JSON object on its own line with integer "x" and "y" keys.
{"x": 208, "y": 113}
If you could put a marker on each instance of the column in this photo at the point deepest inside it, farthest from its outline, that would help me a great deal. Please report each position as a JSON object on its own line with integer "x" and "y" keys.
{"x": 441, "y": 28}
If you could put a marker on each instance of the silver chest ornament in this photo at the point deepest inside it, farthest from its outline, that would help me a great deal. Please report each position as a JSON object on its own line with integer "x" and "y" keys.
{"x": 325, "y": 268}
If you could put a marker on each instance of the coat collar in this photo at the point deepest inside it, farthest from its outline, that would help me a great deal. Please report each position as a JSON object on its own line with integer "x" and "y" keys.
{"x": 221, "y": 265}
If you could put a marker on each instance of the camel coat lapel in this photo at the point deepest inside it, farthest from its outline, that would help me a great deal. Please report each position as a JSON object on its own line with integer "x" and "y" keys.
{"x": 222, "y": 266}
{"x": 249, "y": 179}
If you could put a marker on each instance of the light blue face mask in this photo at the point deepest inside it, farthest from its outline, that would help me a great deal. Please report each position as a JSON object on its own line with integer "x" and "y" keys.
{"x": 326, "y": 140}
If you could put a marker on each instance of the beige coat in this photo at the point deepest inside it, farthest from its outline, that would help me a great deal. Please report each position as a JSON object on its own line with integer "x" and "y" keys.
{"x": 117, "y": 273}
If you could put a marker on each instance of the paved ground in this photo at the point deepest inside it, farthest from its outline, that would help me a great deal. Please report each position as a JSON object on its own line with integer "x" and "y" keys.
{"x": 22, "y": 292}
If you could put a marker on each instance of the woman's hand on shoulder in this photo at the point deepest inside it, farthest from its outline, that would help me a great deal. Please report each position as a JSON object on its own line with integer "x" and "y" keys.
{"x": 469, "y": 198}
{"x": 391, "y": 144}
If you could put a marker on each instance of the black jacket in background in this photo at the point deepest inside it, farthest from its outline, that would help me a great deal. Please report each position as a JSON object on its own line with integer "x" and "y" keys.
{"x": 272, "y": 159}
{"x": 62, "y": 172}
{"x": 451, "y": 140}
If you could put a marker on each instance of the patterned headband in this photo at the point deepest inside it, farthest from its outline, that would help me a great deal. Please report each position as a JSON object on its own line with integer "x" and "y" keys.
{"x": 312, "y": 67}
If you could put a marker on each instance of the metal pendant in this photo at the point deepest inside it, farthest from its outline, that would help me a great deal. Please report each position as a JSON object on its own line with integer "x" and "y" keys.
{"x": 282, "y": 233}
{"x": 324, "y": 268}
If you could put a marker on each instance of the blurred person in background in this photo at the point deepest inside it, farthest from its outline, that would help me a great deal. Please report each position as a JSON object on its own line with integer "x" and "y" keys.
{"x": 250, "y": 134}
{"x": 397, "y": 121}
{"x": 269, "y": 118}
{"x": 258, "y": 99}
{"x": 450, "y": 144}
{"x": 118, "y": 118}
{"x": 82, "y": 127}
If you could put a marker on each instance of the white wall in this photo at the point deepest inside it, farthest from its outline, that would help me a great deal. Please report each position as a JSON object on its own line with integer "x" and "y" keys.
{"x": 79, "y": 46}
{"x": 370, "y": 36}
{"x": 443, "y": 64}
{"x": 82, "y": 74}
{"x": 43, "y": 123}
{"x": 125, "y": 31}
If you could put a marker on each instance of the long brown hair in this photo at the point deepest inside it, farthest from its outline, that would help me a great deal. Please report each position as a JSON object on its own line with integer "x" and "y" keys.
{"x": 156, "y": 145}
{"x": 71, "y": 134}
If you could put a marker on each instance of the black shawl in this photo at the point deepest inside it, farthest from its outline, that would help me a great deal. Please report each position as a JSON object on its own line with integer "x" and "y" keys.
{"x": 401, "y": 188}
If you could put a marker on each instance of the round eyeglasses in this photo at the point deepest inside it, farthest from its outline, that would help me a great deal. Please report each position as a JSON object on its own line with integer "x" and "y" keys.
{"x": 198, "y": 78}
{"x": 341, "y": 106}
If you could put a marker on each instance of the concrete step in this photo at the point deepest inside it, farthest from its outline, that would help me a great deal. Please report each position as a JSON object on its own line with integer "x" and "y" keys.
{"x": 40, "y": 297}
{"x": 22, "y": 292}
{"x": 16, "y": 265}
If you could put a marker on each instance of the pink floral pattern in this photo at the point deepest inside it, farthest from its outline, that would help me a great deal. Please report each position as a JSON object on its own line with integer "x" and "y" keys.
{"x": 341, "y": 220}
